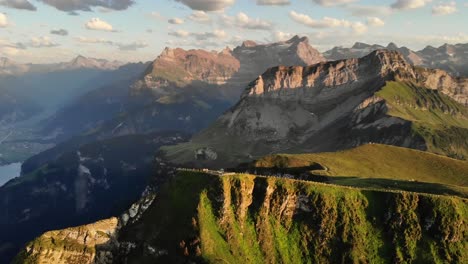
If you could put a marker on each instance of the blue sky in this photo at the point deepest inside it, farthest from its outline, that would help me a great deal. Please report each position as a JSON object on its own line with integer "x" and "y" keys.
{"x": 42, "y": 31}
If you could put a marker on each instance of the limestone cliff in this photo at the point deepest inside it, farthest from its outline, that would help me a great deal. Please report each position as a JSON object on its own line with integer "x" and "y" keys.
{"x": 71, "y": 245}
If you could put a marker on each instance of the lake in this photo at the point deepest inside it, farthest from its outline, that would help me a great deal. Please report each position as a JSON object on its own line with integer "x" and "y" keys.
{"x": 9, "y": 172}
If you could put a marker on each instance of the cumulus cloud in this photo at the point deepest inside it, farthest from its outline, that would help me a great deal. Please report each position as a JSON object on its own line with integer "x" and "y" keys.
{"x": 333, "y": 2}
{"x": 133, "y": 46}
{"x": 3, "y": 20}
{"x": 409, "y": 4}
{"x": 87, "y": 5}
{"x": 60, "y": 32}
{"x": 18, "y": 4}
{"x": 375, "y": 22}
{"x": 179, "y": 33}
{"x": 98, "y": 24}
{"x": 273, "y": 2}
{"x": 444, "y": 9}
{"x": 328, "y": 22}
{"x": 217, "y": 34}
{"x": 200, "y": 17}
{"x": 207, "y": 5}
{"x": 281, "y": 36}
{"x": 175, "y": 21}
{"x": 242, "y": 20}
{"x": 41, "y": 42}
{"x": 10, "y": 49}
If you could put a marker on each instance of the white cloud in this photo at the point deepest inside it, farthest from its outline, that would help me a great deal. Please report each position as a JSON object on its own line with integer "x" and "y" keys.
{"x": 333, "y": 2}
{"x": 87, "y": 5}
{"x": 359, "y": 28}
{"x": 176, "y": 21}
{"x": 375, "y": 22}
{"x": 207, "y": 5}
{"x": 217, "y": 34}
{"x": 409, "y": 4}
{"x": 10, "y": 49}
{"x": 42, "y": 42}
{"x": 273, "y": 2}
{"x": 328, "y": 22}
{"x": 242, "y": 20}
{"x": 179, "y": 33}
{"x": 18, "y": 4}
{"x": 98, "y": 24}
{"x": 281, "y": 36}
{"x": 444, "y": 9}
{"x": 3, "y": 20}
{"x": 133, "y": 46}
{"x": 200, "y": 17}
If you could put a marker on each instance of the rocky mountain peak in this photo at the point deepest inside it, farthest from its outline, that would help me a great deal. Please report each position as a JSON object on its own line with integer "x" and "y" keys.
{"x": 89, "y": 63}
{"x": 249, "y": 44}
{"x": 226, "y": 51}
{"x": 360, "y": 45}
{"x": 281, "y": 81}
{"x": 297, "y": 38}
{"x": 392, "y": 46}
{"x": 388, "y": 60}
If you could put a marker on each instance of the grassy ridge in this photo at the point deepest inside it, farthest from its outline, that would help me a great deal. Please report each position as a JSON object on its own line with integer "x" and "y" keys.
{"x": 379, "y": 162}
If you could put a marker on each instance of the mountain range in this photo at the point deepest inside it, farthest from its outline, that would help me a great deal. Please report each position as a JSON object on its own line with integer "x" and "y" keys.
{"x": 120, "y": 134}
{"x": 336, "y": 105}
{"x": 451, "y": 58}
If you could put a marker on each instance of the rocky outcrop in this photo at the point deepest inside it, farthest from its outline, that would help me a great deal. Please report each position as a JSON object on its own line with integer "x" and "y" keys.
{"x": 84, "y": 244}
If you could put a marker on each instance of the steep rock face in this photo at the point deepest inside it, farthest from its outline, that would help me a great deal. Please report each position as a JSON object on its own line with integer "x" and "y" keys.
{"x": 71, "y": 245}
{"x": 183, "y": 67}
{"x": 455, "y": 88}
{"x": 315, "y": 88}
{"x": 240, "y": 218}
{"x": 334, "y": 105}
{"x": 255, "y": 57}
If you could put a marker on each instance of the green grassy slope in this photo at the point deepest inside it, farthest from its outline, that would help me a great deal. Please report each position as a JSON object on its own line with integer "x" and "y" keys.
{"x": 379, "y": 162}
{"x": 440, "y": 120}
{"x": 248, "y": 219}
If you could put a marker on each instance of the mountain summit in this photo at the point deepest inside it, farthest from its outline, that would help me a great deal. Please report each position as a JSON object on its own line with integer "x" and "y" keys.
{"x": 340, "y": 104}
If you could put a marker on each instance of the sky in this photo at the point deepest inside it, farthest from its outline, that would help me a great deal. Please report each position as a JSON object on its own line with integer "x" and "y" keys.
{"x": 49, "y": 31}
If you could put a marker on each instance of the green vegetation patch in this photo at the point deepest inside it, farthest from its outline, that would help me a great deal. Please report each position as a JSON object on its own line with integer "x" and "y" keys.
{"x": 378, "y": 162}
{"x": 440, "y": 120}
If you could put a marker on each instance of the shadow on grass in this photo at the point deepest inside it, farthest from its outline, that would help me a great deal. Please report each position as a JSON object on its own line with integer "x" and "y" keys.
{"x": 389, "y": 184}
